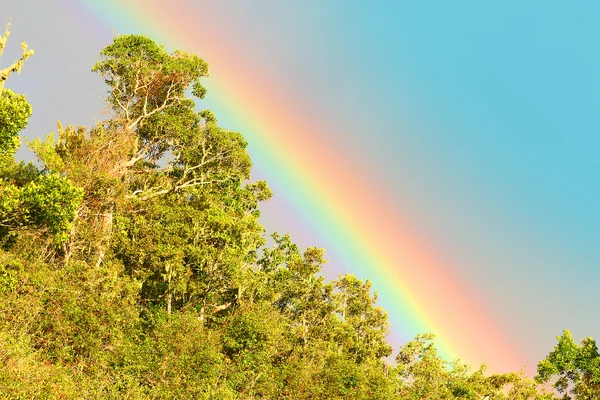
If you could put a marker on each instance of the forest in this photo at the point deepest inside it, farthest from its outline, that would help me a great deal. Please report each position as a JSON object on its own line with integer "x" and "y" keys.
{"x": 133, "y": 266}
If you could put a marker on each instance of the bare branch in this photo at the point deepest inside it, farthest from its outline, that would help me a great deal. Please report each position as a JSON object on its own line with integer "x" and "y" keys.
{"x": 222, "y": 307}
{"x": 17, "y": 65}
{"x": 164, "y": 105}
{"x": 190, "y": 183}
{"x": 4, "y": 38}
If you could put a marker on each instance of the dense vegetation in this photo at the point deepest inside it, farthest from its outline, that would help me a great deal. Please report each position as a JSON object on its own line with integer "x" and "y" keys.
{"x": 133, "y": 265}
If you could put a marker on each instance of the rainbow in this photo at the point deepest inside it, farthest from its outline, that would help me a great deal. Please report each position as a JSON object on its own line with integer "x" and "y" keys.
{"x": 341, "y": 203}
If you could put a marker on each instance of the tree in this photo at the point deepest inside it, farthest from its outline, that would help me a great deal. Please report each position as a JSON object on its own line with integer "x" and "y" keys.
{"x": 29, "y": 199}
{"x": 423, "y": 374}
{"x": 17, "y": 65}
{"x": 574, "y": 369}
{"x": 117, "y": 160}
{"x": 155, "y": 151}
{"x": 364, "y": 327}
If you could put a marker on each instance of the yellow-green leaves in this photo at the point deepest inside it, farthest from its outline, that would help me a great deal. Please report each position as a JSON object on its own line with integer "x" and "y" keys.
{"x": 14, "y": 114}
{"x": 47, "y": 203}
{"x": 144, "y": 80}
{"x": 573, "y": 369}
{"x": 17, "y": 65}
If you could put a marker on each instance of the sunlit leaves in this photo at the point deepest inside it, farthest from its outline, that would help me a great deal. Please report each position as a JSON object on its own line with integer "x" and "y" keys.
{"x": 574, "y": 369}
{"x": 14, "y": 114}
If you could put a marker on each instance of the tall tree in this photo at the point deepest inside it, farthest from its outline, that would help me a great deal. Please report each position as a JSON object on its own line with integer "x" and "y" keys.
{"x": 154, "y": 149}
{"x": 31, "y": 202}
{"x": 573, "y": 369}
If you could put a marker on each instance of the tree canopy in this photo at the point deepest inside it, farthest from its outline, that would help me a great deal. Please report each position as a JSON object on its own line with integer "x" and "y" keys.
{"x": 133, "y": 265}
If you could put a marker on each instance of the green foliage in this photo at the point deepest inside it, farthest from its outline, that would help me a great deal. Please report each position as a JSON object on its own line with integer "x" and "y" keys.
{"x": 29, "y": 200}
{"x": 575, "y": 369}
{"x": 177, "y": 358}
{"x": 48, "y": 203}
{"x": 148, "y": 84}
{"x": 423, "y": 374}
{"x": 52, "y": 201}
{"x": 149, "y": 61}
{"x": 14, "y": 115}
{"x": 364, "y": 326}
{"x": 14, "y": 108}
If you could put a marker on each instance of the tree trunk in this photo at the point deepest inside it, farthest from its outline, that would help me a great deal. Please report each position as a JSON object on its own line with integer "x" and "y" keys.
{"x": 201, "y": 317}
{"x": 106, "y": 230}
{"x": 169, "y": 302}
